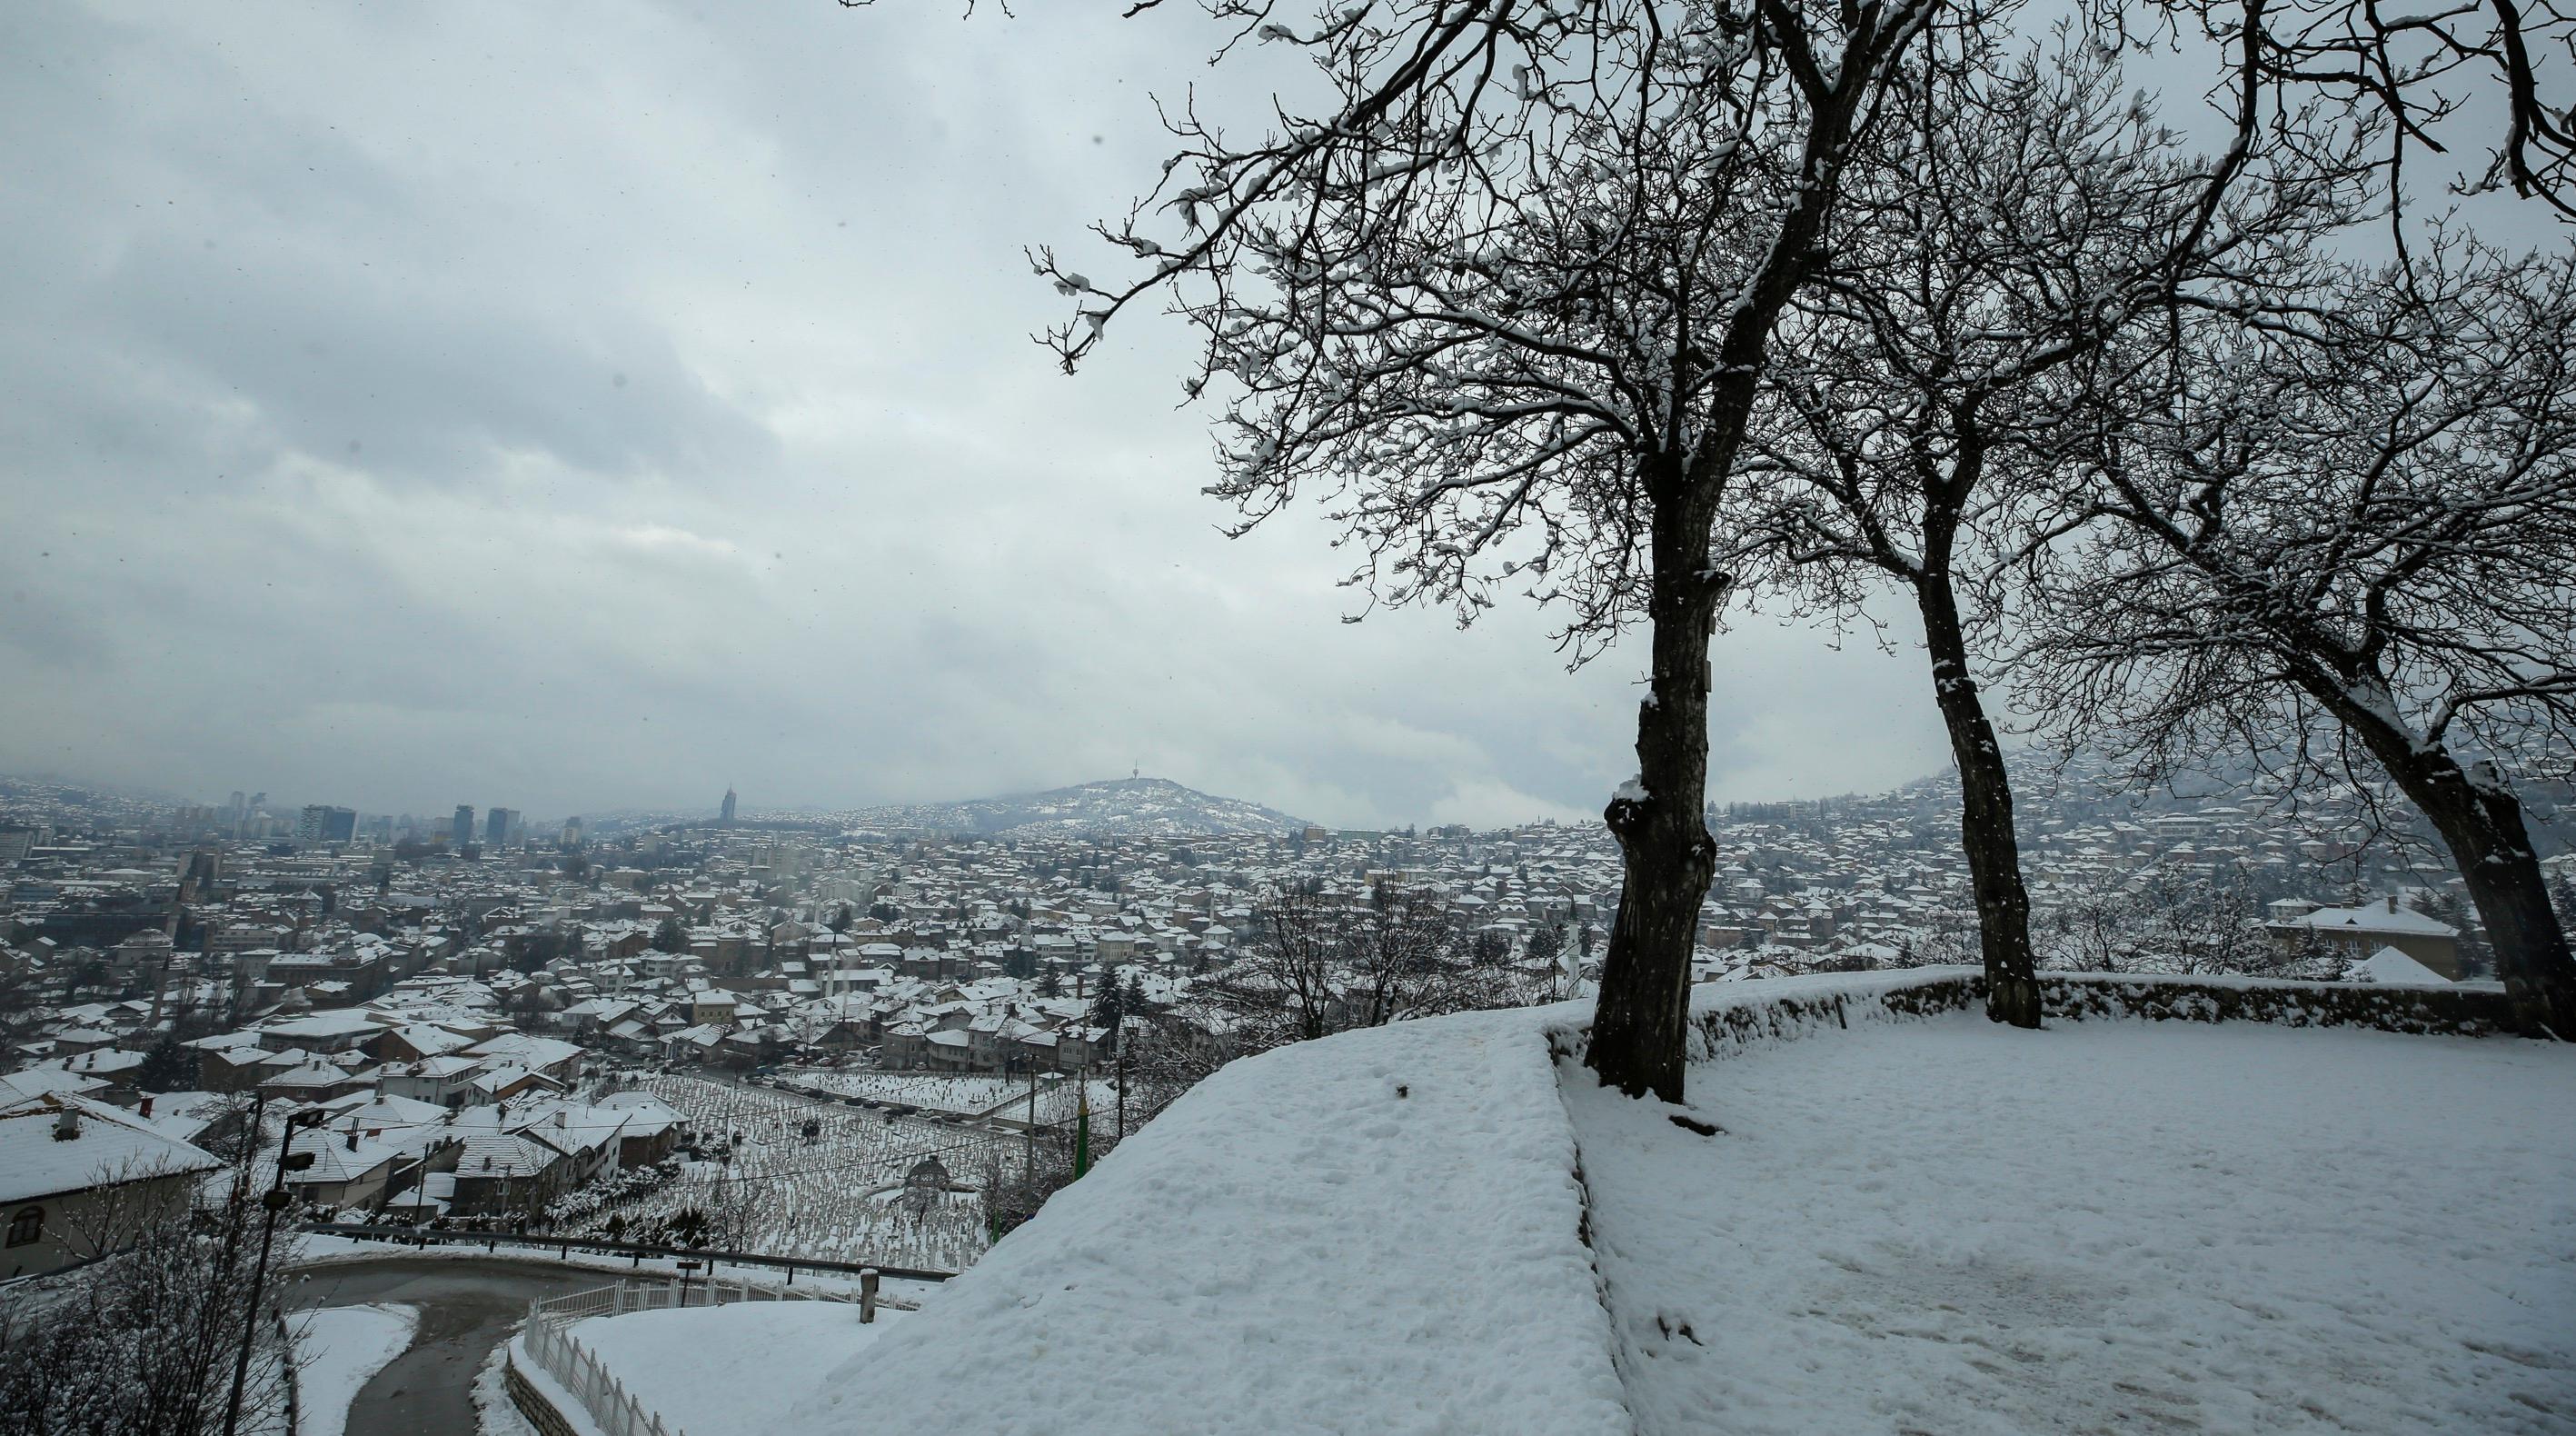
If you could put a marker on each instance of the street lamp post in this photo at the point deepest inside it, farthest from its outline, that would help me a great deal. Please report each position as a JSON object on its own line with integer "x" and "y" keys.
{"x": 271, "y": 1203}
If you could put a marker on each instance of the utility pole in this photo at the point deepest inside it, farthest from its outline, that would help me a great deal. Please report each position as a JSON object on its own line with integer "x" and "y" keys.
{"x": 1082, "y": 1125}
{"x": 288, "y": 1160}
{"x": 236, "y": 1200}
{"x": 1029, "y": 1170}
{"x": 1122, "y": 1081}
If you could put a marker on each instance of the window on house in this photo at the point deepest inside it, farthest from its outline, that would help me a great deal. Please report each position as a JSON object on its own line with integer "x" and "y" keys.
{"x": 26, "y": 1226}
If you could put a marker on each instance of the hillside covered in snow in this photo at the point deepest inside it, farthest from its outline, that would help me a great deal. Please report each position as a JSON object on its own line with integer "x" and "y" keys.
{"x": 1879, "y": 1212}
{"x": 1117, "y": 807}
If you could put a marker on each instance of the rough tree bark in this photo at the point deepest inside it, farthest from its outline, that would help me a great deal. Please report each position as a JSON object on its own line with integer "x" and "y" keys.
{"x": 2481, "y": 822}
{"x": 1985, "y": 805}
{"x": 1639, "y": 1043}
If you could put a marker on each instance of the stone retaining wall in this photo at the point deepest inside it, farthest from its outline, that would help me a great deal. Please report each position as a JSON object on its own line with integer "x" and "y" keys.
{"x": 1739, "y": 1015}
{"x": 532, "y": 1403}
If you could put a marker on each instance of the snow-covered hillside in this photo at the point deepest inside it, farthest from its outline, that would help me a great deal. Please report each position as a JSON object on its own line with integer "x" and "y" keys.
{"x": 1926, "y": 1222}
{"x": 1118, "y": 807}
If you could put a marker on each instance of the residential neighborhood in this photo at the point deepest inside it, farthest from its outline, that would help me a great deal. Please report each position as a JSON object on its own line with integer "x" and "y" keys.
{"x": 465, "y": 1025}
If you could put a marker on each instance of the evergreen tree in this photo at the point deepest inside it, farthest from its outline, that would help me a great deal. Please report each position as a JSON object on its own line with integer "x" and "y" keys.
{"x": 1109, "y": 1007}
{"x": 167, "y": 1067}
{"x": 1545, "y": 943}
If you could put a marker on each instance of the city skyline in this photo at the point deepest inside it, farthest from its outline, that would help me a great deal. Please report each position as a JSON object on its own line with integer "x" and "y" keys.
{"x": 434, "y": 818}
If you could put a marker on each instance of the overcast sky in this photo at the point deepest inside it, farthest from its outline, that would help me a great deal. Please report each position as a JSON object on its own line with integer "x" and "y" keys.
{"x": 577, "y": 406}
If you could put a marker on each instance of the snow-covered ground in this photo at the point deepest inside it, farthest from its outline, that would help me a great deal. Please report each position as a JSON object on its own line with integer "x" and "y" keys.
{"x": 932, "y": 1092}
{"x": 1947, "y": 1226}
{"x": 1909, "y": 1224}
{"x": 819, "y": 1197}
{"x": 710, "y": 1371}
{"x": 495, "y": 1414}
{"x": 1375, "y": 1232}
{"x": 969, "y": 1096}
{"x": 337, "y": 1349}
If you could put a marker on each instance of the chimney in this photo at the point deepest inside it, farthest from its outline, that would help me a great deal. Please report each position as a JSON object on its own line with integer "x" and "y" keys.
{"x": 2392, "y": 902}
{"x": 67, "y": 1124}
{"x": 145, "y": 1111}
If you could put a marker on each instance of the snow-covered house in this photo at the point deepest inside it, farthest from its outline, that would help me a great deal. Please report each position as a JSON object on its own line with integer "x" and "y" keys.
{"x": 348, "y": 1170}
{"x": 2363, "y": 930}
{"x": 76, "y": 1177}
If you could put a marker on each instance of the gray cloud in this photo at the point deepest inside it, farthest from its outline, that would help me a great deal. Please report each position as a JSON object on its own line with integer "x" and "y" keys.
{"x": 579, "y": 406}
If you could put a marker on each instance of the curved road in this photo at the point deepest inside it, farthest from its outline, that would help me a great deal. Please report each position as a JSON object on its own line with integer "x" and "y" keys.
{"x": 466, "y": 1308}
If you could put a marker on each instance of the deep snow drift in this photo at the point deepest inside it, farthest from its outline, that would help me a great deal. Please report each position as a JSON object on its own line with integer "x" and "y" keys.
{"x": 1947, "y": 1226}
{"x": 1375, "y": 1232}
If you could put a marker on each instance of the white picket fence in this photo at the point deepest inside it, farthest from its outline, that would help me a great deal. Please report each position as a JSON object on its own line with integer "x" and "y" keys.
{"x": 618, "y": 1298}
{"x": 553, "y": 1347}
{"x": 573, "y": 1367}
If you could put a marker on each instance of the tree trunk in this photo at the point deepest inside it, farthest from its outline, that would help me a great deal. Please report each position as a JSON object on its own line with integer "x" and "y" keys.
{"x": 1985, "y": 811}
{"x": 2481, "y": 822}
{"x": 1640, "y": 1025}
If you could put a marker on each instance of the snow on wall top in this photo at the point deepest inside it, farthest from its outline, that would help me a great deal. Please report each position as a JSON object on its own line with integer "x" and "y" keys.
{"x": 1373, "y": 1232}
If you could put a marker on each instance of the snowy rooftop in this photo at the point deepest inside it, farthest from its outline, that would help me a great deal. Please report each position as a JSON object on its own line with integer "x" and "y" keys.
{"x": 1930, "y": 1223}
{"x": 2388, "y": 917}
{"x": 108, "y": 1146}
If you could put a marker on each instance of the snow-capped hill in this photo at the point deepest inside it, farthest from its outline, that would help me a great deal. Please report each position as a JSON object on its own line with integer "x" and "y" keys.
{"x": 1118, "y": 807}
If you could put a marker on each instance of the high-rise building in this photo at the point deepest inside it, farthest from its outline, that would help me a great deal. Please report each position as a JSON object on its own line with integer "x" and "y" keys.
{"x": 728, "y": 805}
{"x": 321, "y": 823}
{"x": 496, "y": 826}
{"x": 572, "y": 832}
{"x": 461, "y": 831}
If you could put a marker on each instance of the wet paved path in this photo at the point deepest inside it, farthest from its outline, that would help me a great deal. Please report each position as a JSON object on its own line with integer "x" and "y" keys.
{"x": 466, "y": 1308}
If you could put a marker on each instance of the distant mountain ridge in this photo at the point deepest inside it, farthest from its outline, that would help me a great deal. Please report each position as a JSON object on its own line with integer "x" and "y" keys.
{"x": 1116, "y": 807}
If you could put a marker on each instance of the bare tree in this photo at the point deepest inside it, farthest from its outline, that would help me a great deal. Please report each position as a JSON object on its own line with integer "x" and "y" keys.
{"x": 1322, "y": 963}
{"x": 1507, "y": 296}
{"x": 2408, "y": 72}
{"x": 1506, "y": 299}
{"x": 2019, "y": 216}
{"x": 125, "y": 1200}
{"x": 140, "y": 1342}
{"x": 733, "y": 1209}
{"x": 2173, "y": 919}
{"x": 2346, "y": 538}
